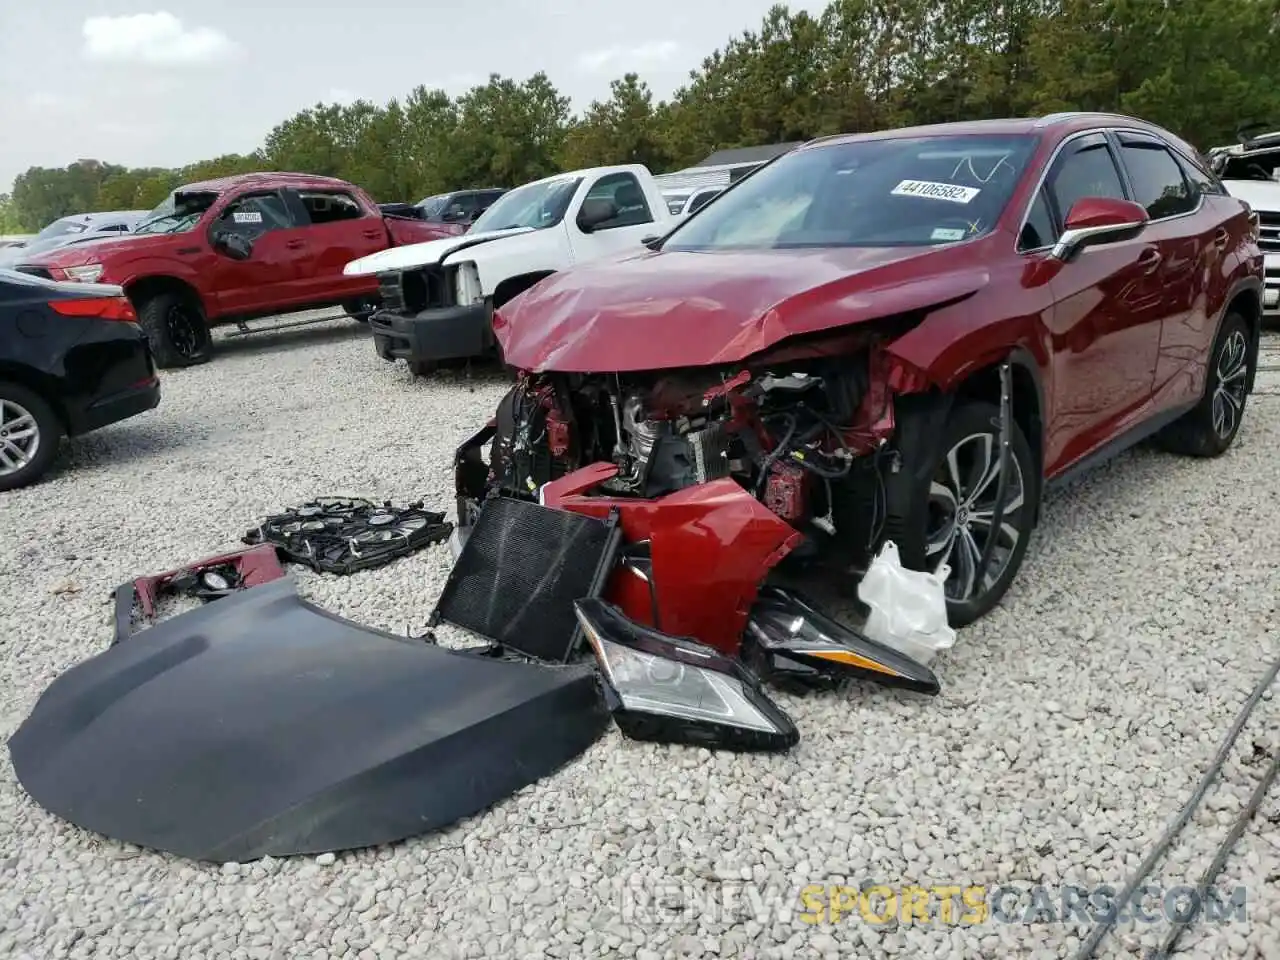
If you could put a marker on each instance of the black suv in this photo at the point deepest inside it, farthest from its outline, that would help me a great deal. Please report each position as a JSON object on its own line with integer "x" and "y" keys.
{"x": 460, "y": 206}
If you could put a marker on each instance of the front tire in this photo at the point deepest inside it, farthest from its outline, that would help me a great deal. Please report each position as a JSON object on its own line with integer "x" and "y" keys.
{"x": 360, "y": 310}
{"x": 951, "y": 505}
{"x": 1210, "y": 427}
{"x": 30, "y": 432}
{"x": 422, "y": 368}
{"x": 176, "y": 330}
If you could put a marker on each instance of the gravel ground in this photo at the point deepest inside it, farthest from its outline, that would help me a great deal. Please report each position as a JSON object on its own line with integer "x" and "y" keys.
{"x": 1073, "y": 723}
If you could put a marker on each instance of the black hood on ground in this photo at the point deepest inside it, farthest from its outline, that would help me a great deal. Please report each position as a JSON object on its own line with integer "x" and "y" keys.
{"x": 261, "y": 725}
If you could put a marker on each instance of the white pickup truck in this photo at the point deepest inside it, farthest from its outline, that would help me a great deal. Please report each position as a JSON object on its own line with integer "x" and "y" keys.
{"x": 1250, "y": 170}
{"x": 437, "y": 298}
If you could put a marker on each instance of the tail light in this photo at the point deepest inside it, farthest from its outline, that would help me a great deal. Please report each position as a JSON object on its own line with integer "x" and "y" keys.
{"x": 100, "y": 308}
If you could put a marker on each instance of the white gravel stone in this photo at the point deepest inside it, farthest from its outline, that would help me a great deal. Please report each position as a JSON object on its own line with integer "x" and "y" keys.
{"x": 1073, "y": 723}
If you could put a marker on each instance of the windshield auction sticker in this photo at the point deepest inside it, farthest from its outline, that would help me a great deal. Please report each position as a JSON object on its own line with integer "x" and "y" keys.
{"x": 935, "y": 191}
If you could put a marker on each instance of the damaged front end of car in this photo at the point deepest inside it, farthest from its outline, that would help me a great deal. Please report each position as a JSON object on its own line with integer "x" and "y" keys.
{"x": 721, "y": 483}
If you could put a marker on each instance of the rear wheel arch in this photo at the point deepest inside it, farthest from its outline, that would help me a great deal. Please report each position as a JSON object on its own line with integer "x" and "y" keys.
{"x": 45, "y": 386}
{"x": 512, "y": 287}
{"x": 1247, "y": 303}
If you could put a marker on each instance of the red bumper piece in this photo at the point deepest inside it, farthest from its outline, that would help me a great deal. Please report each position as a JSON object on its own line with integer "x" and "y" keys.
{"x": 710, "y": 547}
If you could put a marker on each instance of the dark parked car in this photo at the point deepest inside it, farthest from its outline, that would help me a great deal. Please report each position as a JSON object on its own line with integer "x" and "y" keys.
{"x": 72, "y": 359}
{"x": 460, "y": 206}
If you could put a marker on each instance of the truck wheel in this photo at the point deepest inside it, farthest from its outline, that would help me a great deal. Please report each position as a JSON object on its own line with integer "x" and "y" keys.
{"x": 29, "y": 435}
{"x": 175, "y": 328}
{"x": 360, "y": 310}
{"x": 422, "y": 368}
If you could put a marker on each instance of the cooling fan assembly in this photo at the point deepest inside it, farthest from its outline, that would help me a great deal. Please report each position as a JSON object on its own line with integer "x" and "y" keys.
{"x": 342, "y": 535}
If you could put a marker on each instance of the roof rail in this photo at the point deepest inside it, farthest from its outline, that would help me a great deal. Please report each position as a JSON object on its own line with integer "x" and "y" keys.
{"x": 1051, "y": 118}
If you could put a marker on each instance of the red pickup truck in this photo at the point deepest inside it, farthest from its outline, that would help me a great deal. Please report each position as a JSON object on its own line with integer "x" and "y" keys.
{"x": 225, "y": 251}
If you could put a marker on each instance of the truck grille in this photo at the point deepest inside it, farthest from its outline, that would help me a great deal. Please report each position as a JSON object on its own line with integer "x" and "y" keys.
{"x": 1269, "y": 231}
{"x": 412, "y": 291}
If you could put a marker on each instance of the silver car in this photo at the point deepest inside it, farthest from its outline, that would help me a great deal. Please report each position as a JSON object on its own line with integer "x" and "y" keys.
{"x": 75, "y": 229}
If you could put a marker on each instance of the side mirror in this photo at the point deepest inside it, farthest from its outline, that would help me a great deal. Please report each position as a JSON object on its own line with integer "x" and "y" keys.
{"x": 595, "y": 211}
{"x": 234, "y": 245}
{"x": 1097, "y": 220}
{"x": 454, "y": 215}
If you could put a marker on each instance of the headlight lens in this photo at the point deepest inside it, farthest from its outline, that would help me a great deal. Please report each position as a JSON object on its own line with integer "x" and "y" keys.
{"x": 653, "y": 684}
{"x": 89, "y": 273}
{"x": 674, "y": 690}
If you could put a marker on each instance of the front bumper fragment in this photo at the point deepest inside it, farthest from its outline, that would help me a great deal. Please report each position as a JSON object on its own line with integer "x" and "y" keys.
{"x": 440, "y": 333}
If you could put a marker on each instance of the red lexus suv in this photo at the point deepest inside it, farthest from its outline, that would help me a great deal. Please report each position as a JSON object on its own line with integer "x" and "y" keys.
{"x": 900, "y": 335}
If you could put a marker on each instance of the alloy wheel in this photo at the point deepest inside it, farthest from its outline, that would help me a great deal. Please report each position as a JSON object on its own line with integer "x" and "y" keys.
{"x": 19, "y": 437}
{"x": 1231, "y": 376}
{"x": 962, "y": 500}
{"x": 184, "y": 332}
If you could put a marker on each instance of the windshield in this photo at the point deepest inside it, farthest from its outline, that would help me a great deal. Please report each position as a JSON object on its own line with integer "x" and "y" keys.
{"x": 61, "y": 228}
{"x": 538, "y": 205}
{"x": 918, "y": 191}
{"x": 1250, "y": 166}
{"x": 177, "y": 213}
{"x": 433, "y": 206}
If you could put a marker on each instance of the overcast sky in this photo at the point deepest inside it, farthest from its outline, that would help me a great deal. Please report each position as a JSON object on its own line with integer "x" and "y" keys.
{"x": 169, "y": 82}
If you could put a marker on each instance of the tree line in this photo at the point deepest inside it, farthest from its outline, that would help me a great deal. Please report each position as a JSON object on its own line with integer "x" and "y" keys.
{"x": 1198, "y": 67}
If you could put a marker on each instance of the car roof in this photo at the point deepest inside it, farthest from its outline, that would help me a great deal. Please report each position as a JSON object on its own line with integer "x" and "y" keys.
{"x": 639, "y": 169}
{"x": 299, "y": 181}
{"x": 1061, "y": 124}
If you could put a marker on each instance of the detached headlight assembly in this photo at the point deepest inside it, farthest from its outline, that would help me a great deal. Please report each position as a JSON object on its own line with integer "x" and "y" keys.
{"x": 674, "y": 690}
{"x": 88, "y": 273}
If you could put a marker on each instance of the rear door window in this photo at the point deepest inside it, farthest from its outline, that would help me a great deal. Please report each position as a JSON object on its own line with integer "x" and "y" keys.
{"x": 1203, "y": 183}
{"x": 1158, "y": 183}
{"x": 324, "y": 206}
